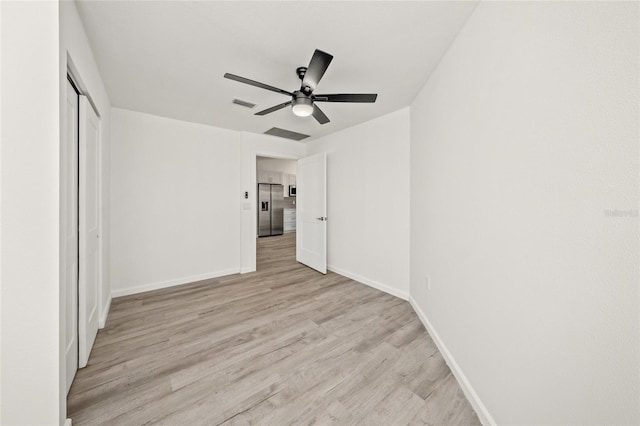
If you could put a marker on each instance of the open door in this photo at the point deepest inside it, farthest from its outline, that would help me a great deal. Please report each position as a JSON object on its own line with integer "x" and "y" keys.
{"x": 311, "y": 234}
{"x": 89, "y": 208}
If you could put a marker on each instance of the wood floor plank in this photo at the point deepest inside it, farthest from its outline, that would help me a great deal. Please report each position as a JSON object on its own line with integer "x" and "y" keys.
{"x": 283, "y": 345}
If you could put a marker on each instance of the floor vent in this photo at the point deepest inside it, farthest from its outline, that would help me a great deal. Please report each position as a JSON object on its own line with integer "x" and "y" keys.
{"x": 287, "y": 134}
{"x": 243, "y": 103}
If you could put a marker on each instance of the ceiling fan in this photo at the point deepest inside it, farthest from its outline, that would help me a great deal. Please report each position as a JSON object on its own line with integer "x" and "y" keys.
{"x": 303, "y": 101}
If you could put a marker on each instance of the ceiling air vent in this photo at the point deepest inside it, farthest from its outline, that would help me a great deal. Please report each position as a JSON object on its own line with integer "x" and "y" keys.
{"x": 243, "y": 103}
{"x": 287, "y": 134}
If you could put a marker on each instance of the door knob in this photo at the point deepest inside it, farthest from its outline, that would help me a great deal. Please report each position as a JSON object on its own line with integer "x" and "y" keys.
{"x": 322, "y": 219}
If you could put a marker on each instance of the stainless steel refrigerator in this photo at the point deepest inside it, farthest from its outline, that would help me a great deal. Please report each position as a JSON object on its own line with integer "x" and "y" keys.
{"x": 270, "y": 209}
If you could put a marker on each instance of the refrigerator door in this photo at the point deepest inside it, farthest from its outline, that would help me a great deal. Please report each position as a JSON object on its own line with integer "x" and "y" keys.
{"x": 264, "y": 210}
{"x": 277, "y": 211}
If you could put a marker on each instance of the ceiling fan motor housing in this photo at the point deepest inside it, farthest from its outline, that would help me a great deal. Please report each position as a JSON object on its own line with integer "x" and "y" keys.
{"x": 301, "y": 71}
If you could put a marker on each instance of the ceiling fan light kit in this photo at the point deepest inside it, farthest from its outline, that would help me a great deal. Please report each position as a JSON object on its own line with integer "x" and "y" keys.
{"x": 303, "y": 101}
{"x": 301, "y": 105}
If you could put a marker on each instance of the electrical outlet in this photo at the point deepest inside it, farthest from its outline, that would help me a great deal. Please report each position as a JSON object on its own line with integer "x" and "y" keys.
{"x": 428, "y": 281}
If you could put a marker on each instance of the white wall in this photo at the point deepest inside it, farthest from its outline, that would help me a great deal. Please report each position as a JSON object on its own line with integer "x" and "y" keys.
{"x": 368, "y": 201}
{"x": 177, "y": 196}
{"x": 1, "y": 116}
{"x": 29, "y": 199}
{"x": 521, "y": 141}
{"x": 254, "y": 145}
{"x": 76, "y": 55}
{"x": 175, "y": 203}
{"x": 1, "y": 214}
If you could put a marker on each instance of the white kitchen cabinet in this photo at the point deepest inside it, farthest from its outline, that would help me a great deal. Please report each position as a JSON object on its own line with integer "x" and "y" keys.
{"x": 266, "y": 176}
{"x": 288, "y": 179}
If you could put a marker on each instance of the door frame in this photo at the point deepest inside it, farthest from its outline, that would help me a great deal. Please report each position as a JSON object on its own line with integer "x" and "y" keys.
{"x": 67, "y": 157}
{"x": 252, "y": 242}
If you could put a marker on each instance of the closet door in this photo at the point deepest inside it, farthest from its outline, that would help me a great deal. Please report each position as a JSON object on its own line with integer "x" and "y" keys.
{"x": 89, "y": 209}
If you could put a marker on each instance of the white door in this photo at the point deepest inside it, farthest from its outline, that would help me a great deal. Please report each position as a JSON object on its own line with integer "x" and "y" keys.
{"x": 70, "y": 170}
{"x": 89, "y": 214}
{"x": 311, "y": 212}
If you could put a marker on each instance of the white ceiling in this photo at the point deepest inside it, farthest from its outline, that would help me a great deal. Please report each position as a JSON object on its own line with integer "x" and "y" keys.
{"x": 168, "y": 58}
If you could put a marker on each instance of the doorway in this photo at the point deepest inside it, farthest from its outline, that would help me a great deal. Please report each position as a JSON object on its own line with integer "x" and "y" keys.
{"x": 276, "y": 210}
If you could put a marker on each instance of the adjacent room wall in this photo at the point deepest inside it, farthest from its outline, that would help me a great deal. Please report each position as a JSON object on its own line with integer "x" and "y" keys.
{"x": 175, "y": 202}
{"x": 30, "y": 325}
{"x": 524, "y": 198}
{"x": 368, "y": 201}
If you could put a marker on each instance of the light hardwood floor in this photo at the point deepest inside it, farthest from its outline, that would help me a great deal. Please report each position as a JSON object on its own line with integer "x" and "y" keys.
{"x": 284, "y": 345}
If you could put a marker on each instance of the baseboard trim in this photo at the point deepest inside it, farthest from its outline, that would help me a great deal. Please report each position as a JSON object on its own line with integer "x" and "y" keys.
{"x": 67, "y": 422}
{"x": 371, "y": 283}
{"x": 105, "y": 313}
{"x": 469, "y": 392}
{"x": 247, "y": 270}
{"x": 170, "y": 283}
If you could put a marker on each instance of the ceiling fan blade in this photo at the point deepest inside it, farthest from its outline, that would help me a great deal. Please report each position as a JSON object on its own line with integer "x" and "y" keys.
{"x": 319, "y": 115}
{"x": 273, "y": 108}
{"x": 319, "y": 63}
{"x": 347, "y": 97}
{"x": 256, "y": 83}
